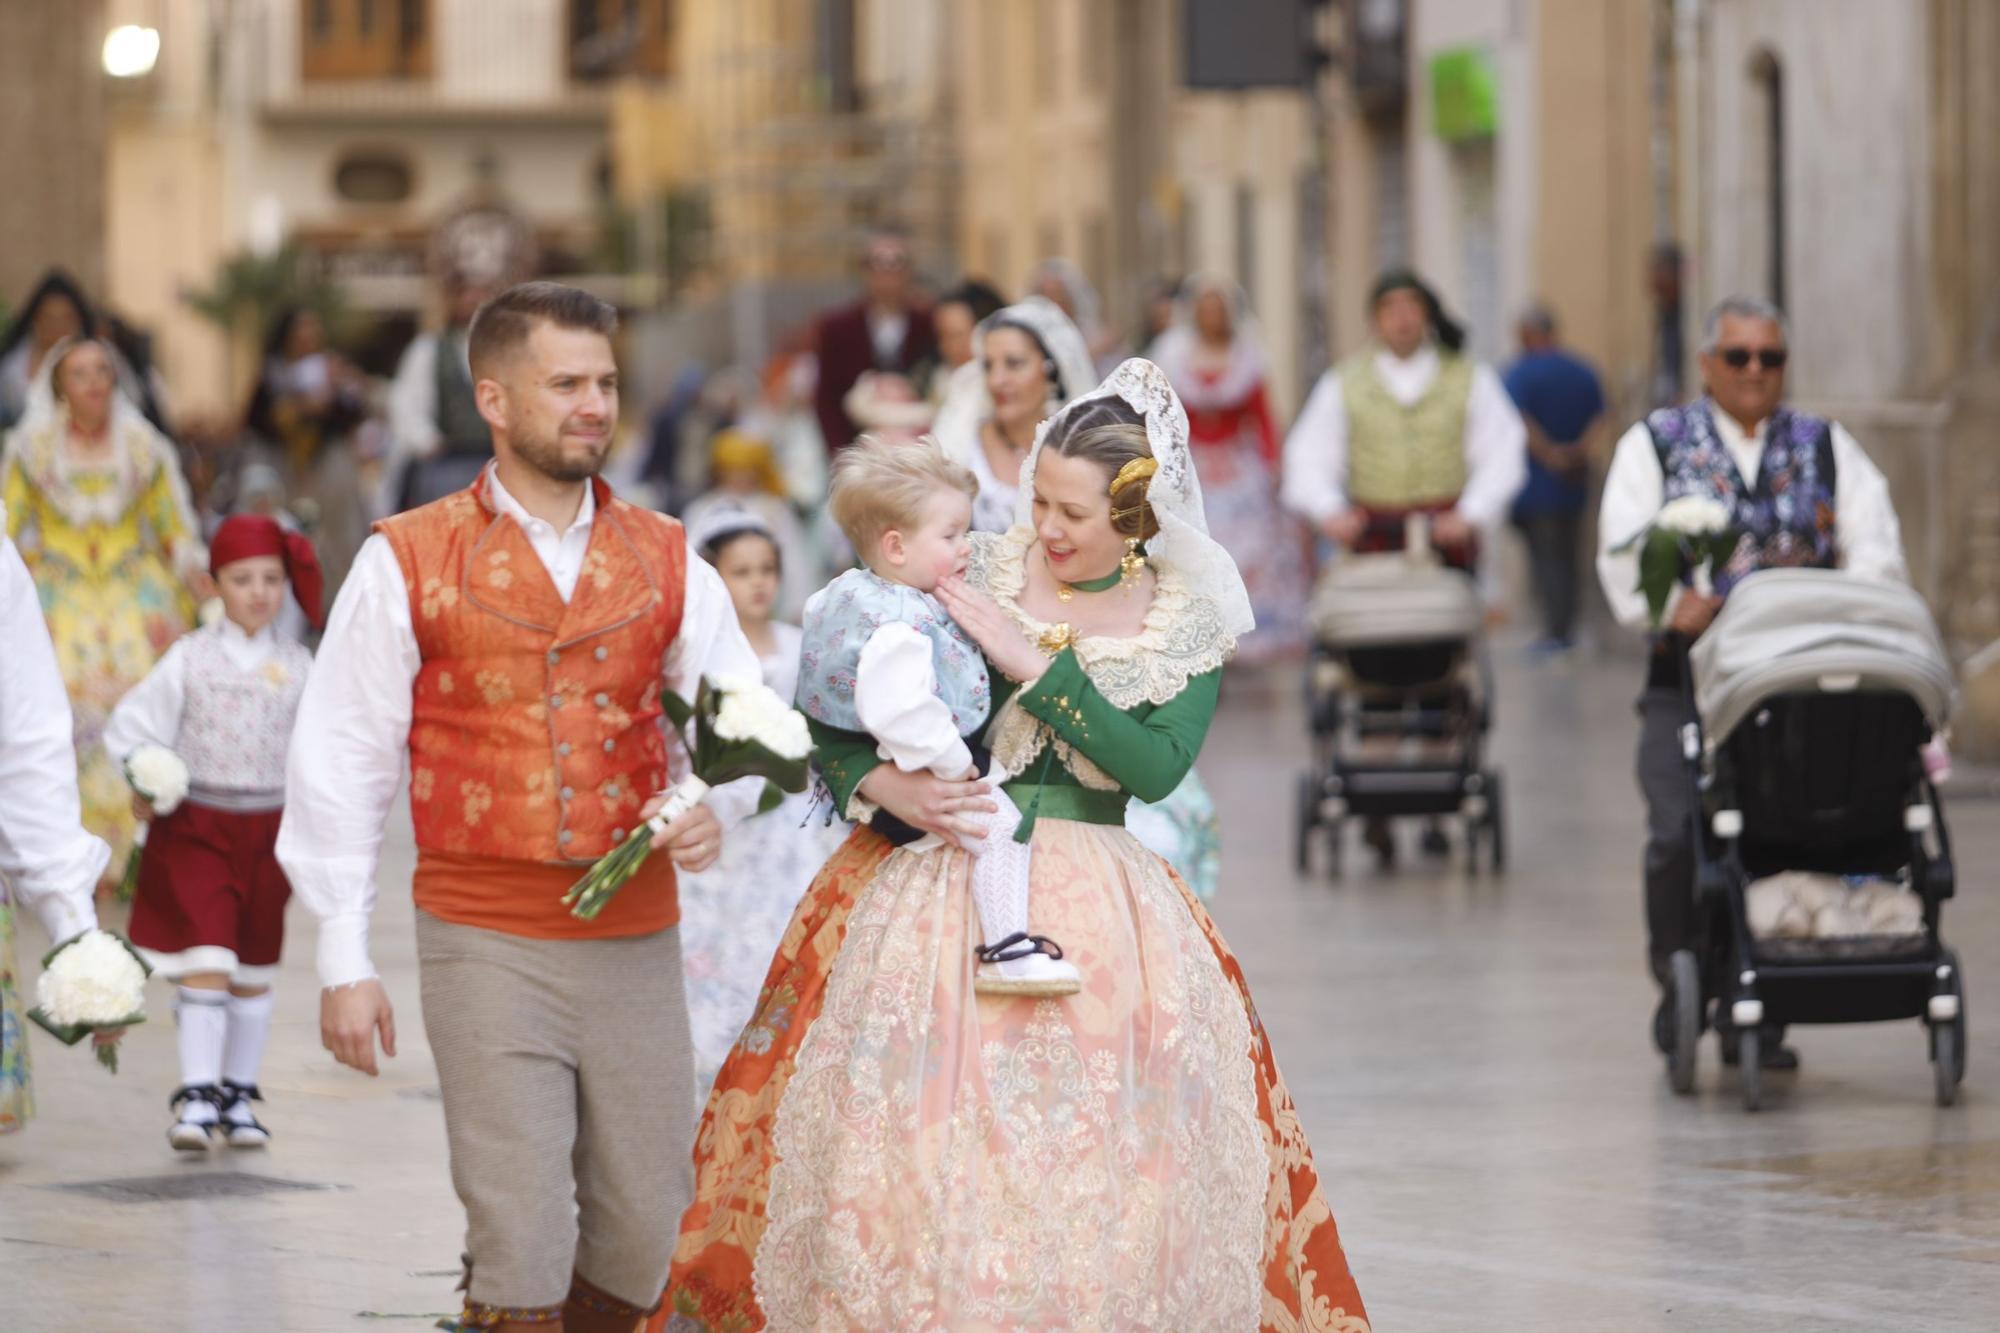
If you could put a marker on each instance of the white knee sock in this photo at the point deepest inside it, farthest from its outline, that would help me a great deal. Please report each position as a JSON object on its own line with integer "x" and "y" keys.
{"x": 249, "y": 1029}
{"x": 1000, "y": 877}
{"x": 203, "y": 1016}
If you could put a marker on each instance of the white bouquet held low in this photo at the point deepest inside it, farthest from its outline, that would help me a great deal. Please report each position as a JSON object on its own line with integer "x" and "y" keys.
{"x": 93, "y": 983}
{"x": 161, "y": 776}
{"x": 743, "y": 729}
{"x": 1686, "y": 541}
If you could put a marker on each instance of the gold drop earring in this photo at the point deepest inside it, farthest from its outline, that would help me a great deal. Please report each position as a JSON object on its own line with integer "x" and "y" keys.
{"x": 1129, "y": 567}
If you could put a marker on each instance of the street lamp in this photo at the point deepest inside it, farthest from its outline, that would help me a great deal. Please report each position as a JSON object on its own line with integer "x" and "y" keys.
{"x": 130, "y": 51}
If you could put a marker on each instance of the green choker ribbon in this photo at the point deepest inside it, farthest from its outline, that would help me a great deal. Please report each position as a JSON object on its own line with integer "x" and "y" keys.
{"x": 1105, "y": 584}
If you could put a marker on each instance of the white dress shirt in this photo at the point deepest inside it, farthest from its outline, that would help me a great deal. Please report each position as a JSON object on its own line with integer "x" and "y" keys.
{"x": 1496, "y": 443}
{"x": 1866, "y": 532}
{"x": 150, "y": 712}
{"x": 51, "y": 864}
{"x": 352, "y": 738}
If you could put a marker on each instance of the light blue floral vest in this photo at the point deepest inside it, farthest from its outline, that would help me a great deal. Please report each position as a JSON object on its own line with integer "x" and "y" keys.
{"x": 844, "y": 615}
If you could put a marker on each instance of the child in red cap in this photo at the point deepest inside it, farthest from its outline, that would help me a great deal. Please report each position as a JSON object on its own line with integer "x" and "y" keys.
{"x": 209, "y": 913}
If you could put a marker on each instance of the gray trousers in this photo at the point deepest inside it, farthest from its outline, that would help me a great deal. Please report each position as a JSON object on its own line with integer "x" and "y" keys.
{"x": 1669, "y": 861}
{"x": 567, "y": 1075}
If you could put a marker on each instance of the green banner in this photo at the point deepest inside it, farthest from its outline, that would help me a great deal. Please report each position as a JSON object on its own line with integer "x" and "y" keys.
{"x": 1465, "y": 94}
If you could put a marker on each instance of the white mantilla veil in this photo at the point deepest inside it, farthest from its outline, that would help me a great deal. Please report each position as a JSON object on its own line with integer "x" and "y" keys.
{"x": 1182, "y": 544}
{"x": 967, "y": 405}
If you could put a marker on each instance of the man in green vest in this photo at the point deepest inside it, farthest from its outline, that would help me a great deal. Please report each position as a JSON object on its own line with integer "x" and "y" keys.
{"x": 1407, "y": 425}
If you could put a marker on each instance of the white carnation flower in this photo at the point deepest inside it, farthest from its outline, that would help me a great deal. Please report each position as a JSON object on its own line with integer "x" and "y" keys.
{"x": 753, "y": 711}
{"x": 93, "y": 981}
{"x": 1693, "y": 516}
{"x": 159, "y": 775}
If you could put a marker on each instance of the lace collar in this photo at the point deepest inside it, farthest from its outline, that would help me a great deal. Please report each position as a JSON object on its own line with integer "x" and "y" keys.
{"x": 1183, "y": 636}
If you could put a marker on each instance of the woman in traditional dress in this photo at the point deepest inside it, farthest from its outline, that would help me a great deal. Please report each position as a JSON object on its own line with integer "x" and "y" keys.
{"x": 1028, "y": 359}
{"x": 1215, "y": 358}
{"x": 55, "y": 310}
{"x": 882, "y": 1150}
{"x": 97, "y": 505}
{"x": 734, "y": 914}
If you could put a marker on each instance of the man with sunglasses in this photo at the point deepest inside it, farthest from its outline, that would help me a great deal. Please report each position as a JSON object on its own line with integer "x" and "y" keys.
{"x": 888, "y": 330}
{"x": 1801, "y": 492}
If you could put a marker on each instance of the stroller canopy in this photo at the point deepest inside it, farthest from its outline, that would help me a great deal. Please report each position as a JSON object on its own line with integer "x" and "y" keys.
{"x": 1787, "y": 631}
{"x": 1368, "y": 600}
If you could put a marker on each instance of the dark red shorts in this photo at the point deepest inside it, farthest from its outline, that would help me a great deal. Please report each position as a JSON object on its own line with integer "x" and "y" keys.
{"x": 211, "y": 878}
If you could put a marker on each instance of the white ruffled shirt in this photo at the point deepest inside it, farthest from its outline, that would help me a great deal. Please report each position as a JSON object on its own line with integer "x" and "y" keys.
{"x": 1496, "y": 443}
{"x": 1866, "y": 531}
{"x": 51, "y": 863}
{"x": 352, "y": 738}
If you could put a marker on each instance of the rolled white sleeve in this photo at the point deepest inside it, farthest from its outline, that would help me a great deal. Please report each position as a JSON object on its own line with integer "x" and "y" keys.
{"x": 1865, "y": 522}
{"x": 711, "y": 643}
{"x": 50, "y": 861}
{"x": 1633, "y": 489}
{"x": 1496, "y": 452}
{"x": 1314, "y": 485}
{"x": 413, "y": 400}
{"x": 895, "y": 694}
{"x": 150, "y": 712}
{"x": 346, "y": 759}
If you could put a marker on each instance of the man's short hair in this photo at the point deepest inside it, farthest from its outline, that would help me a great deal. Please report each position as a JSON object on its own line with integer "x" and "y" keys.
{"x": 1538, "y": 319}
{"x": 503, "y": 324}
{"x": 1742, "y": 307}
{"x": 879, "y": 485}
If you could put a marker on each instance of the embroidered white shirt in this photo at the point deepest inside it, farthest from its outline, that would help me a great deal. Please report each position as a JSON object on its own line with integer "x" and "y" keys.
{"x": 1866, "y": 531}
{"x": 351, "y": 743}
{"x": 150, "y": 712}
{"x": 50, "y": 861}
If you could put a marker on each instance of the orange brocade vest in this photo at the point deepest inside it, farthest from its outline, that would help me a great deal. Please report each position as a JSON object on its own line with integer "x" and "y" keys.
{"x": 535, "y": 734}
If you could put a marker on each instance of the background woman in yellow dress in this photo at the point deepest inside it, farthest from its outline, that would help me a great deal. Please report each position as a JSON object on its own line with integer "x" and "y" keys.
{"x": 96, "y": 503}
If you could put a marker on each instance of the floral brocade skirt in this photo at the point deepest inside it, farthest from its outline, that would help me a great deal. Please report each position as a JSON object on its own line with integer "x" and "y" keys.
{"x": 17, "y": 1102}
{"x": 885, "y": 1150}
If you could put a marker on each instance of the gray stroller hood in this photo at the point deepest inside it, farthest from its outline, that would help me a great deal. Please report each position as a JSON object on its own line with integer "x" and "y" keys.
{"x": 1369, "y": 600}
{"x": 1817, "y": 630}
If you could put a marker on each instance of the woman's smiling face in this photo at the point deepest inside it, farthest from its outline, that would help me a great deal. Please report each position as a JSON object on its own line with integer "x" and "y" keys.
{"x": 1073, "y": 518}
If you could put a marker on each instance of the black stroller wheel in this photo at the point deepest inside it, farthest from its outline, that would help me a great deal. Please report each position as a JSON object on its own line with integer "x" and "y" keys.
{"x": 1685, "y": 978}
{"x": 1496, "y": 820}
{"x": 1946, "y": 1062}
{"x": 1750, "y": 1065}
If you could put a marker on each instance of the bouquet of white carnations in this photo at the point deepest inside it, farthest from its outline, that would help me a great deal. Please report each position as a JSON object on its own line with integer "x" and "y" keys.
{"x": 743, "y": 729}
{"x": 161, "y": 776}
{"x": 93, "y": 983}
{"x": 1688, "y": 538}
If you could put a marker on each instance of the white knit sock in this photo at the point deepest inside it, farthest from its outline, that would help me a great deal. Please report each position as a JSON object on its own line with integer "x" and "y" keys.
{"x": 1000, "y": 877}
{"x": 203, "y": 1016}
{"x": 249, "y": 1030}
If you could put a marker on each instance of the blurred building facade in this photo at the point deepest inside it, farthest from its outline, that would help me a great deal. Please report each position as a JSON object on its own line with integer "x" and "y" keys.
{"x": 351, "y": 129}
{"x": 52, "y": 113}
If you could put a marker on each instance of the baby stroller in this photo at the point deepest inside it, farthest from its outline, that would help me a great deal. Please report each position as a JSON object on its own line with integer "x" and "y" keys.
{"x": 1397, "y": 692}
{"x": 1816, "y": 692}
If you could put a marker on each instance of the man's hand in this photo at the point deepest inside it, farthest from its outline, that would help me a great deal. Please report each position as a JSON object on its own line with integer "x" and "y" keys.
{"x": 1693, "y": 612}
{"x": 1346, "y": 528}
{"x": 1448, "y": 529}
{"x": 349, "y": 1019}
{"x": 694, "y": 840}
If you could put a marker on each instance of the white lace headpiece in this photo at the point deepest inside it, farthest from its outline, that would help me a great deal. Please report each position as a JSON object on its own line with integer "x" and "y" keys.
{"x": 967, "y": 403}
{"x": 1182, "y": 544}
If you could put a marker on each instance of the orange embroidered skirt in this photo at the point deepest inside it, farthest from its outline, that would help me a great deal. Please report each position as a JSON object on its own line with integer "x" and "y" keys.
{"x": 884, "y": 1149}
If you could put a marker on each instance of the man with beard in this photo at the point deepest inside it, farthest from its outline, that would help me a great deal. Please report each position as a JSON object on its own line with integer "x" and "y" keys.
{"x": 514, "y": 637}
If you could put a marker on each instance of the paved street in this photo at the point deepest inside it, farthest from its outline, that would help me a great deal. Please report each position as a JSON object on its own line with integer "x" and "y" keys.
{"x": 1469, "y": 1056}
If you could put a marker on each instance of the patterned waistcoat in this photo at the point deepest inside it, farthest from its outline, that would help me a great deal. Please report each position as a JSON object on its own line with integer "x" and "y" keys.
{"x": 236, "y": 725}
{"x": 535, "y": 733}
{"x": 1787, "y": 518}
{"x": 839, "y": 622}
{"x": 1405, "y": 457}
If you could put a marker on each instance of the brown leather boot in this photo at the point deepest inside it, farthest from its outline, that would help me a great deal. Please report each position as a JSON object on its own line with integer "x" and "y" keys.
{"x": 591, "y": 1309}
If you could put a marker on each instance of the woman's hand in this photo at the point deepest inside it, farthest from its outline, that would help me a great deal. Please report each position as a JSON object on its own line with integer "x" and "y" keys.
{"x": 933, "y": 804}
{"x": 993, "y": 630}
